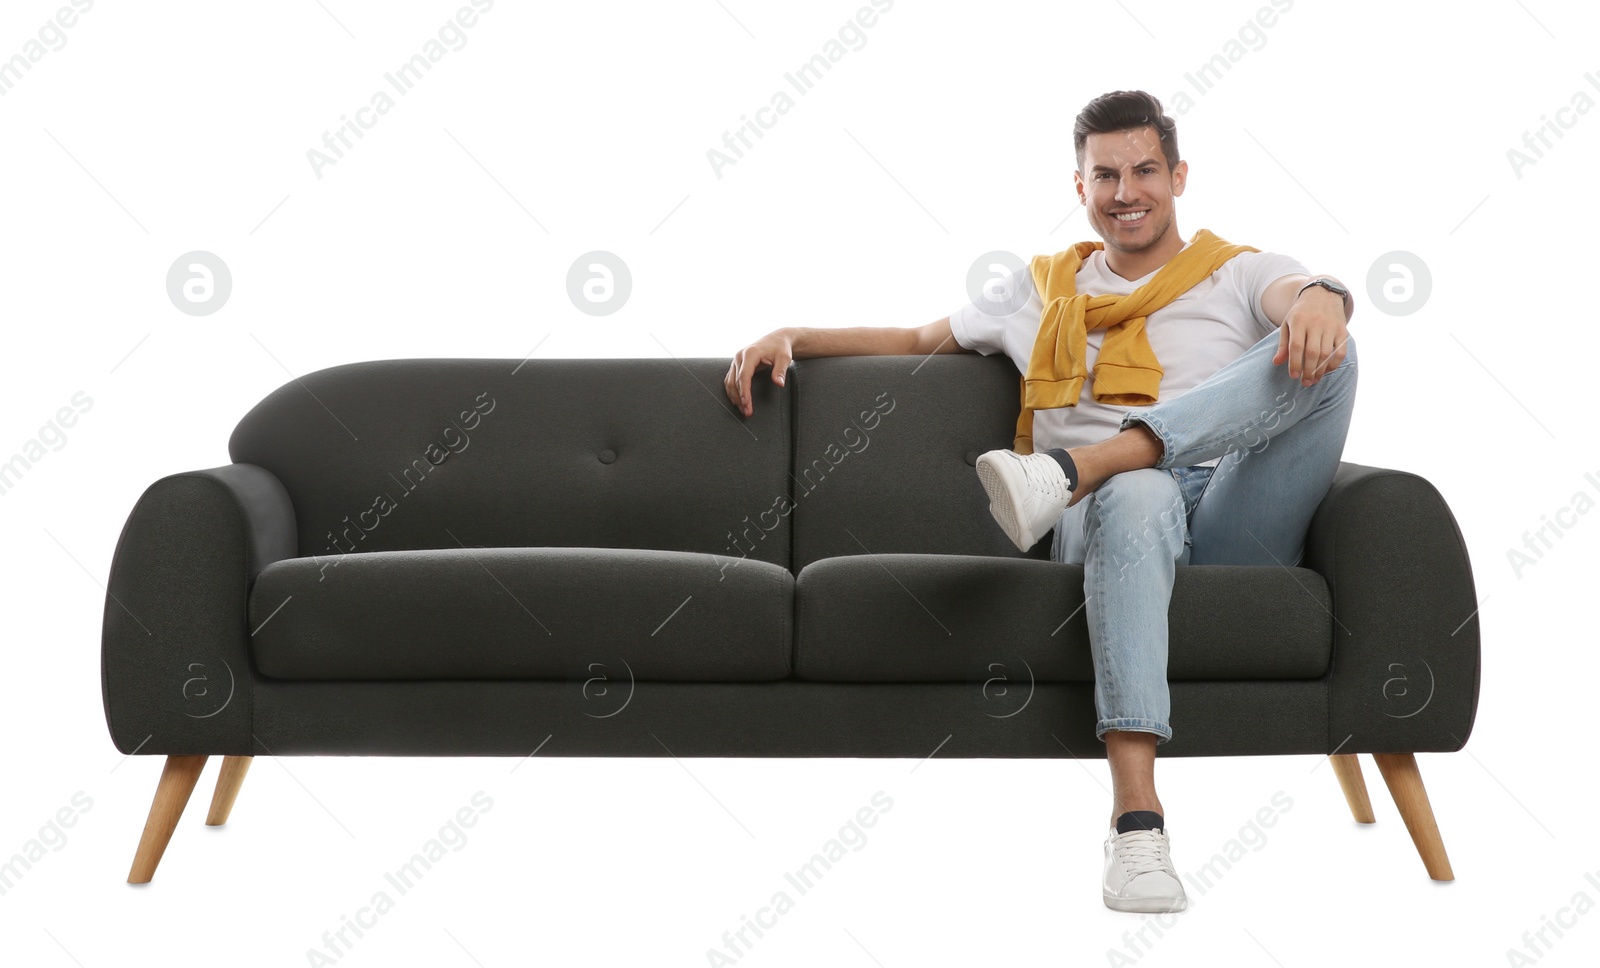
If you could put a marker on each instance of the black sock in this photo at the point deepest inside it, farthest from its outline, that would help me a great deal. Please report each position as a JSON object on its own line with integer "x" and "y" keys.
{"x": 1139, "y": 820}
{"x": 1067, "y": 466}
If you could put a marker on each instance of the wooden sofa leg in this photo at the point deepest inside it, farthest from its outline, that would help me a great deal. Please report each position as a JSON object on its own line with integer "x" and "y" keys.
{"x": 178, "y": 778}
{"x": 1348, "y": 769}
{"x": 1405, "y": 785}
{"x": 228, "y": 782}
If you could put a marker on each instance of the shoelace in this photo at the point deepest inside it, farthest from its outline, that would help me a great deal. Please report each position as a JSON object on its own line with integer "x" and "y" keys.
{"x": 1047, "y": 479}
{"x": 1140, "y": 851}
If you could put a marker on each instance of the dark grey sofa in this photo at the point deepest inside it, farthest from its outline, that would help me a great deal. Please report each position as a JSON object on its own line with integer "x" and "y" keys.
{"x": 601, "y": 557}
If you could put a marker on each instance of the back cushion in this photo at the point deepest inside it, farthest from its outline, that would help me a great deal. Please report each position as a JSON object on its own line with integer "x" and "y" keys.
{"x": 884, "y": 454}
{"x": 438, "y": 453}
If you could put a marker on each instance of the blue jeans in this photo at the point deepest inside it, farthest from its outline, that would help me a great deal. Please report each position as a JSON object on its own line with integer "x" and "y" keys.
{"x": 1279, "y": 444}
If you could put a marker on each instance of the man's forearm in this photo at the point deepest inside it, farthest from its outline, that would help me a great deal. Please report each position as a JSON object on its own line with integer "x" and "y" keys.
{"x": 811, "y": 342}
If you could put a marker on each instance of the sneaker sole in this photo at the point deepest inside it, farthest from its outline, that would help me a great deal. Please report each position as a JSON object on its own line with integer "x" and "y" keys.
{"x": 1147, "y": 905}
{"x": 1002, "y": 504}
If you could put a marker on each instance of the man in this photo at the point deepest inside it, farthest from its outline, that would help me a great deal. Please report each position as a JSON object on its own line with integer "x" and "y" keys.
{"x": 1192, "y": 401}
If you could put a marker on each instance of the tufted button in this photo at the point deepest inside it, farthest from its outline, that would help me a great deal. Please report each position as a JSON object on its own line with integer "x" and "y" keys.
{"x": 972, "y": 458}
{"x": 607, "y": 456}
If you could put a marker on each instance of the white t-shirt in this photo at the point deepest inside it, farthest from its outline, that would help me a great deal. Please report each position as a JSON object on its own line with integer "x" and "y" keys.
{"x": 1194, "y": 336}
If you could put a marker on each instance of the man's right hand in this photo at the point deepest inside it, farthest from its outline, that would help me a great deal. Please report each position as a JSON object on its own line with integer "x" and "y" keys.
{"x": 776, "y": 350}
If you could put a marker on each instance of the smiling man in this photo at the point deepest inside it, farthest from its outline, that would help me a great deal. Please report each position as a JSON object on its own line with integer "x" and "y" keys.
{"x": 1189, "y": 401}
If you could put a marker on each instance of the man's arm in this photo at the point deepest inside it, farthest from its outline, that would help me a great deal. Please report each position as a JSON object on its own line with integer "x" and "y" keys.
{"x": 1312, "y": 325}
{"x": 779, "y": 347}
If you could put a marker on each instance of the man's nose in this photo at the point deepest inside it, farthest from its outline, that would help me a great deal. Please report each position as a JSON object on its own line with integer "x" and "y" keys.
{"x": 1125, "y": 189}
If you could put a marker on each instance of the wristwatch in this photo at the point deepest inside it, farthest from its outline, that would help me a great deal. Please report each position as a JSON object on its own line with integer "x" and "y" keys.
{"x": 1329, "y": 285}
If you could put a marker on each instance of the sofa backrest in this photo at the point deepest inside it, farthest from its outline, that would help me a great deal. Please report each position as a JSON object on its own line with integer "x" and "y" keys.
{"x": 392, "y": 455}
{"x": 856, "y": 455}
{"x": 884, "y": 457}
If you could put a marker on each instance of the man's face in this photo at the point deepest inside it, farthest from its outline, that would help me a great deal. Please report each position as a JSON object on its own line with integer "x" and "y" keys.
{"x": 1125, "y": 173}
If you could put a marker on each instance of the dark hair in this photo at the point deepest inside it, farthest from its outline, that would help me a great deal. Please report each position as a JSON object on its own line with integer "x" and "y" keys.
{"x": 1125, "y": 111}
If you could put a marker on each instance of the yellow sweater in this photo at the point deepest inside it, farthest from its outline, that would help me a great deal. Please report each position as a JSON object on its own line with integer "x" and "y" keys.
{"x": 1126, "y": 373}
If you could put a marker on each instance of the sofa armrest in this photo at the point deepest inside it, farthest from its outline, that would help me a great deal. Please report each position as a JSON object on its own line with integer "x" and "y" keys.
{"x": 175, "y": 665}
{"x": 1404, "y": 676}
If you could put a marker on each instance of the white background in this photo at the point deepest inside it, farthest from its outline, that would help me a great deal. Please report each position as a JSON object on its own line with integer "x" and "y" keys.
{"x": 1355, "y": 130}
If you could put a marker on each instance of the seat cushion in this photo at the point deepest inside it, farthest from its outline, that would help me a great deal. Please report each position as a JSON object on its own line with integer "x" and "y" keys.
{"x": 523, "y": 613}
{"x": 966, "y": 618}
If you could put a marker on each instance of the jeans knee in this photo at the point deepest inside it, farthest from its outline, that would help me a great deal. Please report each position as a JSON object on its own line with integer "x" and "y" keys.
{"x": 1144, "y": 505}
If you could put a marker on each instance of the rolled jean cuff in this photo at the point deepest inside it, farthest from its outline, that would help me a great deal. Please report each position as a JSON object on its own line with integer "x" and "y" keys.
{"x": 1162, "y": 730}
{"x": 1154, "y": 423}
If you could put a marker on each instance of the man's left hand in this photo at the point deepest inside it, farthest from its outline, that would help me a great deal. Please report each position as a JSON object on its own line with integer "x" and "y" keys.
{"x": 1313, "y": 335}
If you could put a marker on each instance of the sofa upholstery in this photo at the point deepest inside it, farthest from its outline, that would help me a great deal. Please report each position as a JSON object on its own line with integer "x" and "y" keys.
{"x": 600, "y": 557}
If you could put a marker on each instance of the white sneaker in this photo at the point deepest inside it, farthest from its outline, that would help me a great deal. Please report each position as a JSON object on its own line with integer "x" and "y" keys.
{"x": 1139, "y": 874}
{"x": 1027, "y": 493}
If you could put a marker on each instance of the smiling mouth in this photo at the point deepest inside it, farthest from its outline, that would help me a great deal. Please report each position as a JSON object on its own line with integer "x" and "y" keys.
{"x": 1132, "y": 218}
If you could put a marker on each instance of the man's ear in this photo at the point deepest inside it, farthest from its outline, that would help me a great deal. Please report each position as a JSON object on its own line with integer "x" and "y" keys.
{"x": 1180, "y": 177}
{"x": 1077, "y": 184}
